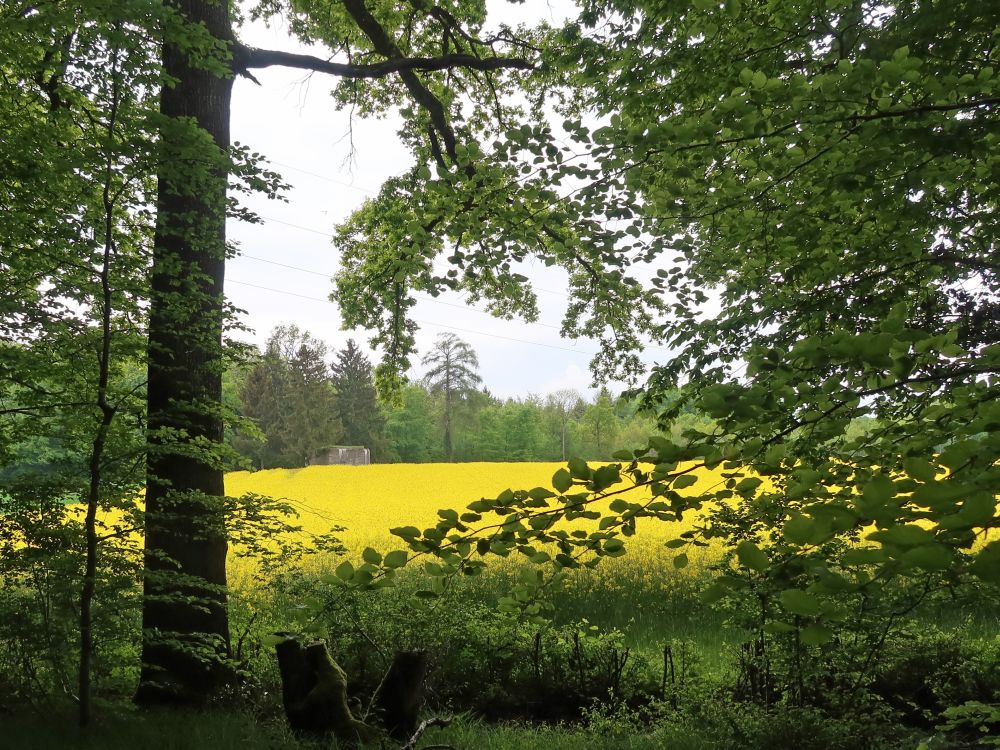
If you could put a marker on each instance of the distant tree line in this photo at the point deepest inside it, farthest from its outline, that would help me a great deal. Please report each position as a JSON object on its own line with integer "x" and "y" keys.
{"x": 292, "y": 405}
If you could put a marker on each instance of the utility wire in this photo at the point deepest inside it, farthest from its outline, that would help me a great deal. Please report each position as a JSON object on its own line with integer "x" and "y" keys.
{"x": 327, "y": 234}
{"x": 427, "y": 297}
{"x": 297, "y": 226}
{"x": 318, "y": 176}
{"x": 422, "y": 322}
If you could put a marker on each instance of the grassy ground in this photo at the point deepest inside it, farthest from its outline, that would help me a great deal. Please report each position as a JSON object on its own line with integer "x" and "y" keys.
{"x": 120, "y": 730}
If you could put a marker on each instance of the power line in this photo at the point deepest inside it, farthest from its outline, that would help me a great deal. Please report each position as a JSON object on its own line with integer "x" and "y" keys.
{"x": 286, "y": 265}
{"x": 318, "y": 176}
{"x": 331, "y": 236}
{"x": 297, "y": 226}
{"x": 422, "y": 322}
{"x": 426, "y": 297}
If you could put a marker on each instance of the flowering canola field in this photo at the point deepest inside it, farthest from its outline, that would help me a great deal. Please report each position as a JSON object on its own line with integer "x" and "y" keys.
{"x": 369, "y": 500}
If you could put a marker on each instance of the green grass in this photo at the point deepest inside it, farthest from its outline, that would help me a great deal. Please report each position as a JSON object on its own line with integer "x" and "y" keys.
{"x": 118, "y": 729}
{"x": 133, "y": 730}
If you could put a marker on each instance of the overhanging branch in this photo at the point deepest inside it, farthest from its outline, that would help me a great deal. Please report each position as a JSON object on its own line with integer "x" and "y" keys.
{"x": 246, "y": 58}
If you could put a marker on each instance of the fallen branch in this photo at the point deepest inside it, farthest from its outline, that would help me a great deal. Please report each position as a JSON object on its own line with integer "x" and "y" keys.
{"x": 436, "y": 721}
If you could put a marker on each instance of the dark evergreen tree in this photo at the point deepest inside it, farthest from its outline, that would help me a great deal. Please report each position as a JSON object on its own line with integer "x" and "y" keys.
{"x": 290, "y": 397}
{"x": 357, "y": 408}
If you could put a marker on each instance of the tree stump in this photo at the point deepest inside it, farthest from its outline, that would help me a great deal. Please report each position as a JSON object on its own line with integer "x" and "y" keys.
{"x": 401, "y": 694}
{"x": 314, "y": 693}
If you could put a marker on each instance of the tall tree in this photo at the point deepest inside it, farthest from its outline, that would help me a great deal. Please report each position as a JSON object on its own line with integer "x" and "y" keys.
{"x": 76, "y": 133}
{"x": 452, "y": 375}
{"x": 562, "y": 403}
{"x": 602, "y": 424}
{"x": 290, "y": 397}
{"x": 357, "y": 405}
{"x": 185, "y": 626}
{"x": 411, "y": 426}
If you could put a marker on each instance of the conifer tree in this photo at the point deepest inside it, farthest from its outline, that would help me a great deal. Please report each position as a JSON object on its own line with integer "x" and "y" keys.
{"x": 357, "y": 407}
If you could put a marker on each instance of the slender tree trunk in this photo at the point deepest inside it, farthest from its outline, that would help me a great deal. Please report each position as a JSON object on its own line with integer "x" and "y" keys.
{"x": 107, "y": 417}
{"x": 185, "y": 625}
{"x": 447, "y": 414}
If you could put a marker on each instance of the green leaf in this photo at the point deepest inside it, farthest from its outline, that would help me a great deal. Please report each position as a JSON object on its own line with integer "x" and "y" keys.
{"x": 934, "y": 494}
{"x": 406, "y": 532}
{"x": 681, "y": 561}
{"x": 578, "y": 467}
{"x": 345, "y": 571}
{"x": 685, "y": 480}
{"x": 906, "y": 535}
{"x": 920, "y": 469}
{"x": 605, "y": 477}
{"x": 987, "y": 563}
{"x": 799, "y": 529}
{"x": 865, "y": 556}
{"x": 799, "y": 602}
{"x": 751, "y": 556}
{"x": 371, "y": 556}
{"x": 714, "y": 593}
{"x": 396, "y": 559}
{"x": 540, "y": 493}
{"x": 879, "y": 490}
{"x": 979, "y": 509}
{"x": 815, "y": 635}
{"x": 431, "y": 568}
{"x": 929, "y": 557}
{"x": 562, "y": 480}
{"x": 614, "y": 547}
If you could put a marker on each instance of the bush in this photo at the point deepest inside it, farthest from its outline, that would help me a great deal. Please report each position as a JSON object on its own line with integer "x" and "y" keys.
{"x": 480, "y": 660}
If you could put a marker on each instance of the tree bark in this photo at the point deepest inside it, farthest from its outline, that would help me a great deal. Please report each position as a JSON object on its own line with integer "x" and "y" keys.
{"x": 104, "y": 427}
{"x": 314, "y": 694}
{"x": 186, "y": 649}
{"x": 185, "y": 625}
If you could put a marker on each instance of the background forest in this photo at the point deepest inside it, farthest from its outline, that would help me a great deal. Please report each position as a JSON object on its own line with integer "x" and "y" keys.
{"x": 298, "y": 403}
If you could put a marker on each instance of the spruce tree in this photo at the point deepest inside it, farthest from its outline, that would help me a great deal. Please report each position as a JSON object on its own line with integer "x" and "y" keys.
{"x": 357, "y": 408}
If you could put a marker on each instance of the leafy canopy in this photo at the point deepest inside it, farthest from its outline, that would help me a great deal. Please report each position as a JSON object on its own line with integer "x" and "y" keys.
{"x": 829, "y": 174}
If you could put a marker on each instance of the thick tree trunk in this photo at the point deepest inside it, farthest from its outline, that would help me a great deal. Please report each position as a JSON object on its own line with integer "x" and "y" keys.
{"x": 314, "y": 693}
{"x": 185, "y": 625}
{"x": 401, "y": 694}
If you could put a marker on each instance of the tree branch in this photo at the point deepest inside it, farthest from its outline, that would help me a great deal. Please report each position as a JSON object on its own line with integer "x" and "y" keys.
{"x": 246, "y": 58}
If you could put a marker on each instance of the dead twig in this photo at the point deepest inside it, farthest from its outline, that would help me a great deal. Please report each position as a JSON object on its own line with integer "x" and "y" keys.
{"x": 436, "y": 721}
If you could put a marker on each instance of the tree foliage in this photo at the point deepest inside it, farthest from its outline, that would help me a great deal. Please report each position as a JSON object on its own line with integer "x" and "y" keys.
{"x": 357, "y": 405}
{"x": 452, "y": 372}
{"x": 828, "y": 174}
{"x": 78, "y": 126}
{"x": 290, "y": 397}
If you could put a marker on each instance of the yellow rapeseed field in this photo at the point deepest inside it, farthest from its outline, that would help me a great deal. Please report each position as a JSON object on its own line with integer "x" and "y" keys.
{"x": 369, "y": 500}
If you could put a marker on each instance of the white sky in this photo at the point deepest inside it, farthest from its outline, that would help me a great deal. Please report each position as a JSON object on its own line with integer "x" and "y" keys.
{"x": 291, "y": 119}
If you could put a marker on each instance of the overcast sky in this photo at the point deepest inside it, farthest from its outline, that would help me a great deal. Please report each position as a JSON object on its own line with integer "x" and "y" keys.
{"x": 283, "y": 275}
